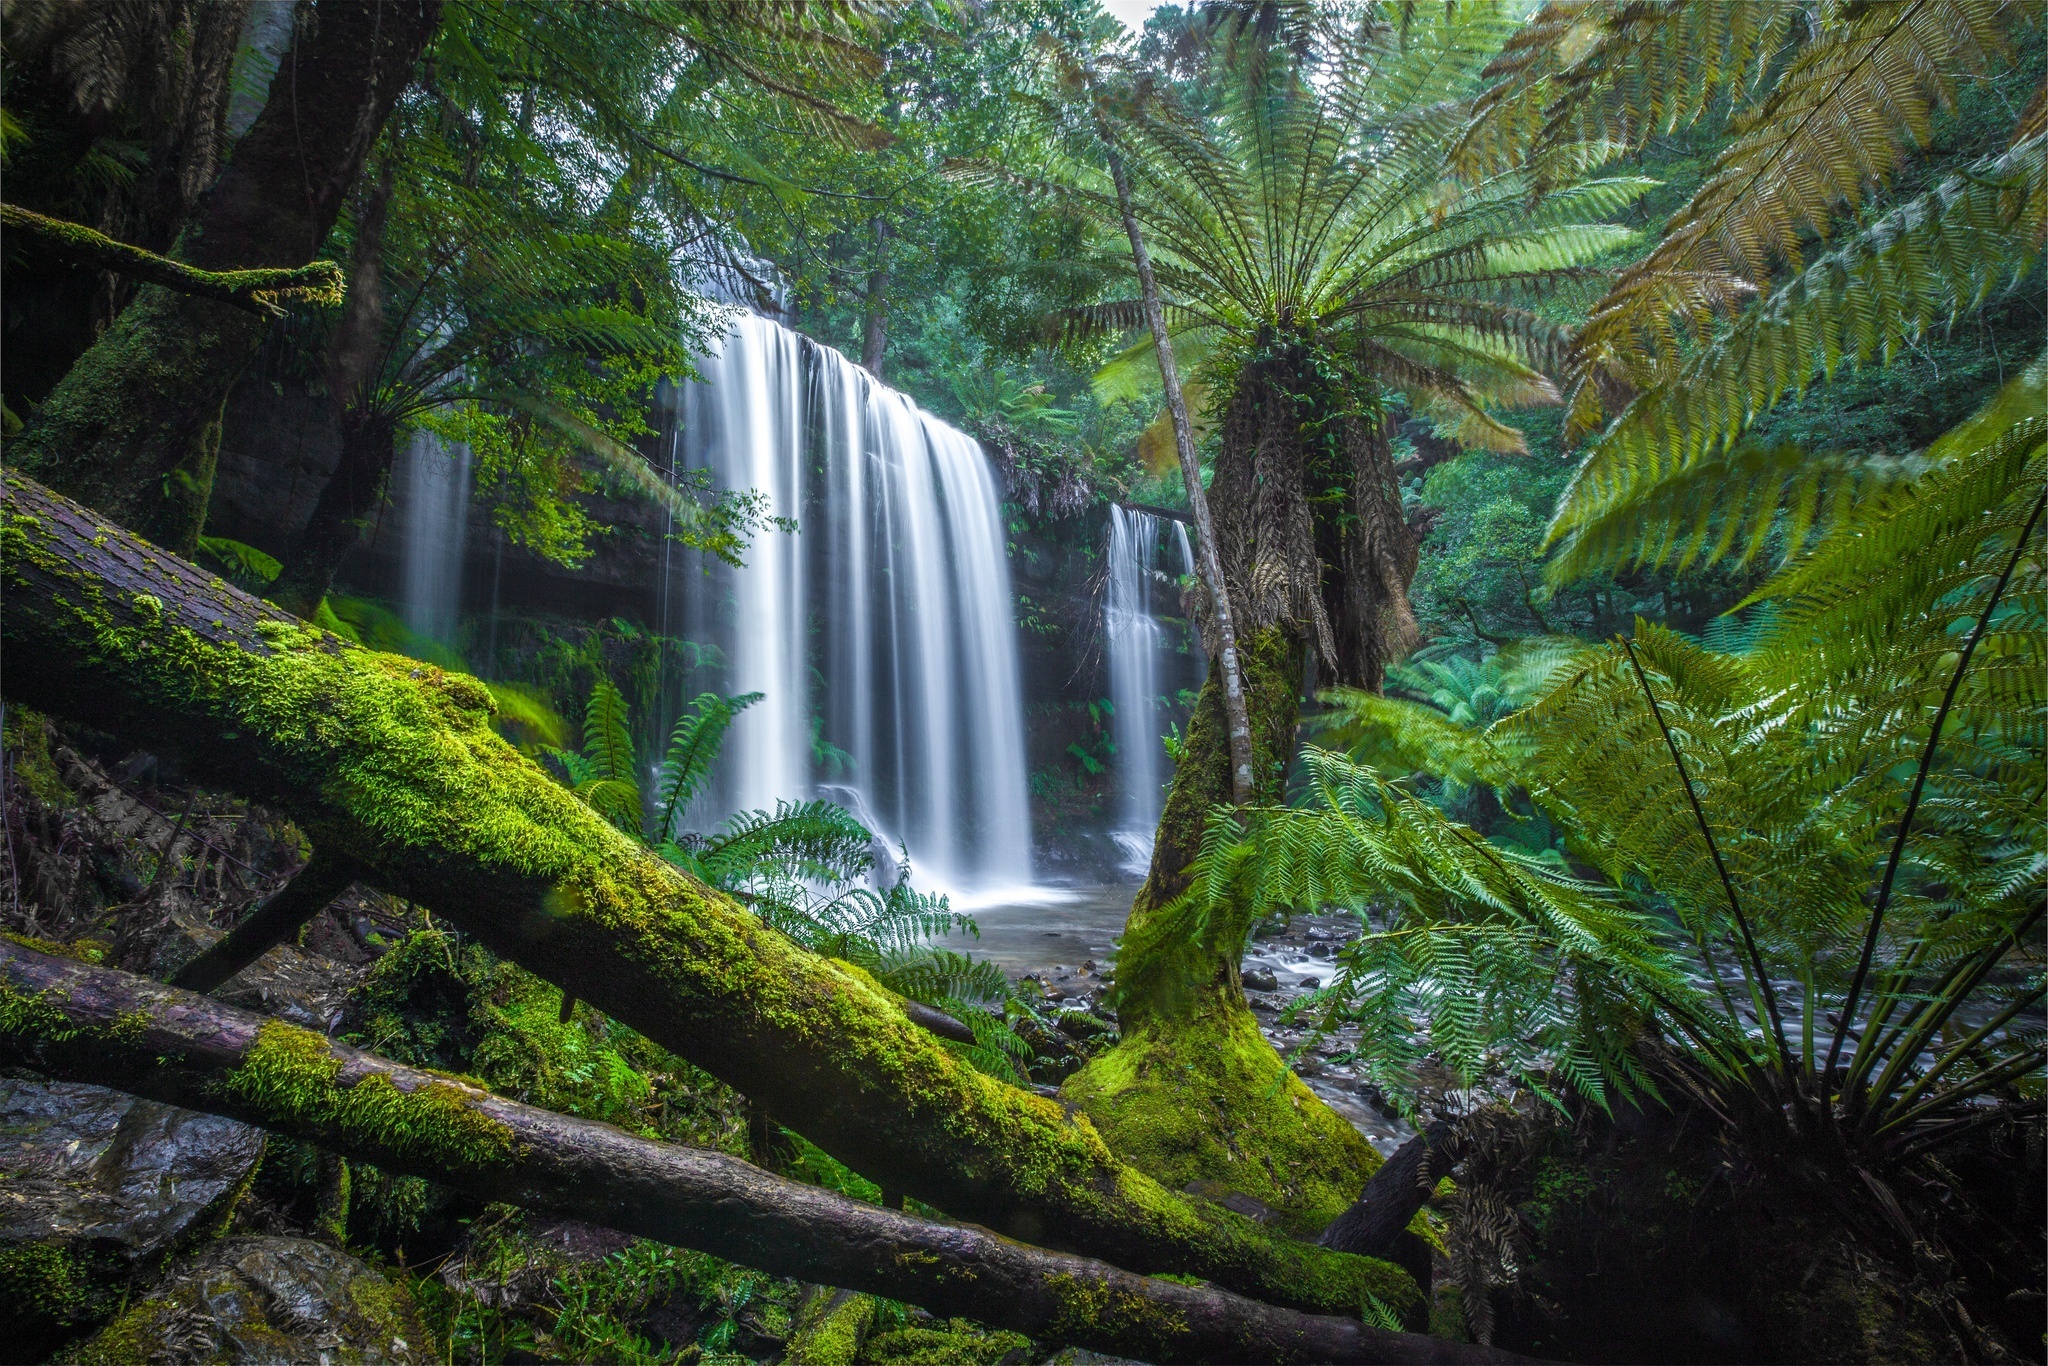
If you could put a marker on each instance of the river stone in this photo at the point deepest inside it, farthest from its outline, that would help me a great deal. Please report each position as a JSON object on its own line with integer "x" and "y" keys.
{"x": 88, "y": 1168}
{"x": 1261, "y": 979}
{"x": 269, "y": 1302}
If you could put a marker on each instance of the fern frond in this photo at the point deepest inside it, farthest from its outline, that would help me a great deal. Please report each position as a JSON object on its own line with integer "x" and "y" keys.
{"x": 1914, "y": 269}
{"x": 1846, "y": 109}
{"x": 607, "y": 736}
{"x": 693, "y": 747}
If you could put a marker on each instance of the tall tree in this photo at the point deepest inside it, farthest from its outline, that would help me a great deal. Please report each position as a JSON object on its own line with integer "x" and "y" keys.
{"x": 1313, "y": 257}
{"x": 134, "y": 427}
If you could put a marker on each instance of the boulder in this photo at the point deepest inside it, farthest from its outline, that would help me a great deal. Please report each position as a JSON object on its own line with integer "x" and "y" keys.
{"x": 97, "y": 1187}
{"x": 269, "y": 1300}
{"x": 1261, "y": 979}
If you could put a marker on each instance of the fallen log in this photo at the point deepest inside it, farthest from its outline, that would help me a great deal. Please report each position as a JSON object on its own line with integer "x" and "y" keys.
{"x": 71, "y": 1020}
{"x": 393, "y": 764}
{"x": 1377, "y": 1219}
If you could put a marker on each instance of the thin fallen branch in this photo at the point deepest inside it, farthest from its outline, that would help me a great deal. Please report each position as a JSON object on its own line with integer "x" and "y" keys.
{"x": 263, "y": 292}
{"x": 72, "y": 1020}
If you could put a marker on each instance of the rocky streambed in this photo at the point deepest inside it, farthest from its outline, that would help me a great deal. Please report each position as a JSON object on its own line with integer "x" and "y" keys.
{"x": 1286, "y": 962}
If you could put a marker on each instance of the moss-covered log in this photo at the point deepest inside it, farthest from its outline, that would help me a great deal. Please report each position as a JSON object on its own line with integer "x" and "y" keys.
{"x": 262, "y": 292}
{"x": 134, "y": 427}
{"x": 72, "y": 1020}
{"x": 394, "y": 764}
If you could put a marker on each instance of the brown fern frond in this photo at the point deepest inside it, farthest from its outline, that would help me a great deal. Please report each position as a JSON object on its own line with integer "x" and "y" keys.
{"x": 1836, "y": 124}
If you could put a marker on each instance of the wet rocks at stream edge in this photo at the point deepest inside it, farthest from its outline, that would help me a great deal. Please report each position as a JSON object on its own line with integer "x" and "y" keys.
{"x": 269, "y": 1299}
{"x": 97, "y": 1189}
{"x": 1286, "y": 961}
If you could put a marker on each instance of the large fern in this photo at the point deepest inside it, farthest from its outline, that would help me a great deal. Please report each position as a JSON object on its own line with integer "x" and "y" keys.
{"x": 1662, "y": 478}
{"x": 692, "y": 748}
{"x": 1826, "y": 102}
{"x": 1836, "y": 827}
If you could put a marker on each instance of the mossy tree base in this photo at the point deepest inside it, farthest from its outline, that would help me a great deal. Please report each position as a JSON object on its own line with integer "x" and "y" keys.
{"x": 1212, "y": 1101}
{"x": 1193, "y": 1091}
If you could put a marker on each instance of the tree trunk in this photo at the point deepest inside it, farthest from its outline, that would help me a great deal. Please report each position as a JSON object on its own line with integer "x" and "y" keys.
{"x": 83, "y": 1023}
{"x": 347, "y": 502}
{"x": 1193, "y": 1091}
{"x": 1236, "y": 718}
{"x": 394, "y": 763}
{"x": 874, "y": 335}
{"x": 134, "y": 428}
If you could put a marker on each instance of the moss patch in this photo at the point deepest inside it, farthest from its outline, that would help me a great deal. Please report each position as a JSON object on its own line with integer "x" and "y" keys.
{"x": 291, "y": 1074}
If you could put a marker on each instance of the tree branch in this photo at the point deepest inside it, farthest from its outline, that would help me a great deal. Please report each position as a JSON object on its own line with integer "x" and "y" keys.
{"x": 263, "y": 292}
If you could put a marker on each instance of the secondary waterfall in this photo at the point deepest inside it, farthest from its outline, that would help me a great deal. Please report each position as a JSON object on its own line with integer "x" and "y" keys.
{"x": 436, "y": 527}
{"x": 881, "y": 633}
{"x": 1141, "y": 661}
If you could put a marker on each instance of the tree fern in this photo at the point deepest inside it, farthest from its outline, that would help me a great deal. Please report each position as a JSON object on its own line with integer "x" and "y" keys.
{"x": 1832, "y": 831}
{"x": 1914, "y": 269}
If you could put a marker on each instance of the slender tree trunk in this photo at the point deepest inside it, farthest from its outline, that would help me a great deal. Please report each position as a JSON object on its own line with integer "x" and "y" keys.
{"x": 874, "y": 338}
{"x": 84, "y": 1023}
{"x": 347, "y": 502}
{"x": 1236, "y": 717}
{"x": 134, "y": 428}
{"x": 394, "y": 763}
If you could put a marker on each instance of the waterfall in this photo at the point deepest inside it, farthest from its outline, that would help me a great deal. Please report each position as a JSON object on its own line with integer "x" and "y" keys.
{"x": 1142, "y": 664}
{"x": 436, "y": 528}
{"x": 881, "y": 633}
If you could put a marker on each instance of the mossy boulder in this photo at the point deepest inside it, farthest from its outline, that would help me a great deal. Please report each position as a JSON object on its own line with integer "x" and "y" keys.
{"x": 96, "y": 1189}
{"x": 267, "y": 1300}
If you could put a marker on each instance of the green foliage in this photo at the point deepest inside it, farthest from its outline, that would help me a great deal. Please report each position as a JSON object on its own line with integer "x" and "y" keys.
{"x": 1670, "y": 450}
{"x": 807, "y": 869}
{"x": 1736, "y": 817}
{"x": 1266, "y": 230}
{"x": 1826, "y": 107}
{"x": 692, "y": 746}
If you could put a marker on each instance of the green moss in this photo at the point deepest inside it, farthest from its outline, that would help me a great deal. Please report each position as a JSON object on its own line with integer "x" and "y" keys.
{"x": 290, "y": 1074}
{"x": 959, "y": 1343}
{"x": 136, "y": 1338}
{"x": 1089, "y": 1306}
{"x": 830, "y": 1327}
{"x": 27, "y": 737}
{"x": 53, "y": 1292}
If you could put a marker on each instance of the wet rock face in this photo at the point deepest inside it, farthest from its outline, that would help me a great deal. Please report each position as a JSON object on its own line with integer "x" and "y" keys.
{"x": 269, "y": 1300}
{"x": 93, "y": 1169}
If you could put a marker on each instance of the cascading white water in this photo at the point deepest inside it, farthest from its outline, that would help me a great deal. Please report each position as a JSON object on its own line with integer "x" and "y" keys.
{"x": 1140, "y": 660}
{"x": 436, "y": 527}
{"x": 881, "y": 634}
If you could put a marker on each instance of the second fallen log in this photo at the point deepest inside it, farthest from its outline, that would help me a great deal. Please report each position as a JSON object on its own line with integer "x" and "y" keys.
{"x": 73, "y": 1020}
